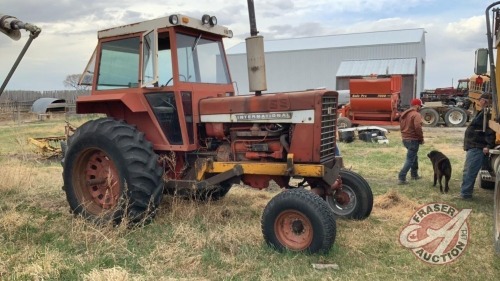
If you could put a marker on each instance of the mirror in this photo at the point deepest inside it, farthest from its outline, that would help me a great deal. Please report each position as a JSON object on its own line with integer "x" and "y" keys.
{"x": 481, "y": 62}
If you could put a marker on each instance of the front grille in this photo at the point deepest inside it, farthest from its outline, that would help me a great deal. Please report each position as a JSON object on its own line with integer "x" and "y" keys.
{"x": 328, "y": 124}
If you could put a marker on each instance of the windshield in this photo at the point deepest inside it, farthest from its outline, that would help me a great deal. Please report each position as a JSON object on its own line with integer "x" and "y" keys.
{"x": 201, "y": 60}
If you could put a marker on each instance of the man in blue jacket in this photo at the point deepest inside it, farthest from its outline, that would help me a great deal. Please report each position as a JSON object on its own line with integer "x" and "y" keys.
{"x": 477, "y": 144}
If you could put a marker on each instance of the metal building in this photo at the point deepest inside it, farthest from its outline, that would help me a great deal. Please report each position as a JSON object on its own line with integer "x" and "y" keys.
{"x": 330, "y": 61}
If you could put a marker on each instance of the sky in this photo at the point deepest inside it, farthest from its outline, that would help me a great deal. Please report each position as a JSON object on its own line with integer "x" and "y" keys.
{"x": 454, "y": 30}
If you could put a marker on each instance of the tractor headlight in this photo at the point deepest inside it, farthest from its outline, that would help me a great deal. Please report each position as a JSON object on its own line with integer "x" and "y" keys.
{"x": 205, "y": 19}
{"x": 213, "y": 21}
{"x": 173, "y": 19}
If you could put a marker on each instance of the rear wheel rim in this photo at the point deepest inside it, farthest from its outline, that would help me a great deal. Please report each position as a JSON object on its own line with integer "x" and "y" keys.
{"x": 456, "y": 117}
{"x": 97, "y": 182}
{"x": 429, "y": 118}
{"x": 294, "y": 230}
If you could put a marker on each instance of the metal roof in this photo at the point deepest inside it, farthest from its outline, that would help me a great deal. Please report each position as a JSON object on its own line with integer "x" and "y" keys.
{"x": 41, "y": 105}
{"x": 337, "y": 41}
{"x": 378, "y": 67}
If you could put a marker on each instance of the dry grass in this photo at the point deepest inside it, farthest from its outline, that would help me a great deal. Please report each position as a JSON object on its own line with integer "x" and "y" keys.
{"x": 223, "y": 240}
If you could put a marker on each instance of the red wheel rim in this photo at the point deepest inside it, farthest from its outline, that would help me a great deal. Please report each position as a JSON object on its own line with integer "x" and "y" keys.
{"x": 293, "y": 230}
{"x": 97, "y": 183}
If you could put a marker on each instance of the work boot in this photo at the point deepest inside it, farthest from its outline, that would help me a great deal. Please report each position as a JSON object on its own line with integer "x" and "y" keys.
{"x": 402, "y": 182}
{"x": 416, "y": 178}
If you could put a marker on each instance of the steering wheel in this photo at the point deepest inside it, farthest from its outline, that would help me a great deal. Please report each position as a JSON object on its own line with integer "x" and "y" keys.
{"x": 170, "y": 80}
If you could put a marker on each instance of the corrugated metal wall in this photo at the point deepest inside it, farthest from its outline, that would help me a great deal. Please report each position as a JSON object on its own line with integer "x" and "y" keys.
{"x": 307, "y": 69}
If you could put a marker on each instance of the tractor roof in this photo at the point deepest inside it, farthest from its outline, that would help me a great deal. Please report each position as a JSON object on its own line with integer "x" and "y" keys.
{"x": 172, "y": 20}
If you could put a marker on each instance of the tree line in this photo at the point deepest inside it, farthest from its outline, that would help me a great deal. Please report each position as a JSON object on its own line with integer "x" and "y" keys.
{"x": 10, "y": 96}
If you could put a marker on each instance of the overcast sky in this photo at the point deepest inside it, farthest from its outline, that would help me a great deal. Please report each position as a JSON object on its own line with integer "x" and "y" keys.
{"x": 454, "y": 29}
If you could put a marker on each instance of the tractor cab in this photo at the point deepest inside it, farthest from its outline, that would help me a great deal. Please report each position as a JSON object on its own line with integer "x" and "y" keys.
{"x": 152, "y": 74}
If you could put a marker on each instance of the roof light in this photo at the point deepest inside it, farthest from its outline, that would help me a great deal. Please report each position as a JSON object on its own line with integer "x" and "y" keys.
{"x": 205, "y": 19}
{"x": 173, "y": 19}
{"x": 185, "y": 20}
{"x": 213, "y": 21}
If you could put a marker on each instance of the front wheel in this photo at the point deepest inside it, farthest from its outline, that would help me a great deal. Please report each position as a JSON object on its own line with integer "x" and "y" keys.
{"x": 111, "y": 172}
{"x": 354, "y": 200}
{"x": 298, "y": 220}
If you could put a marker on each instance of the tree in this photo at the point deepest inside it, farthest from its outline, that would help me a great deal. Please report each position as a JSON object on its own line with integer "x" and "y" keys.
{"x": 72, "y": 80}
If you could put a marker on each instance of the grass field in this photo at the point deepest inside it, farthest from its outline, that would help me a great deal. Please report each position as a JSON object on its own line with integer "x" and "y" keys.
{"x": 41, "y": 240}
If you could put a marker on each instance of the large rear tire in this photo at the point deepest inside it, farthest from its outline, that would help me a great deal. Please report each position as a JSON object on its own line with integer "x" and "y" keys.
{"x": 111, "y": 172}
{"x": 455, "y": 117}
{"x": 298, "y": 220}
{"x": 360, "y": 197}
{"x": 430, "y": 117}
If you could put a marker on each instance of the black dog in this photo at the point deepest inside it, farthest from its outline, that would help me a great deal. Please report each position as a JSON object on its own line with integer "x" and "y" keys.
{"x": 442, "y": 168}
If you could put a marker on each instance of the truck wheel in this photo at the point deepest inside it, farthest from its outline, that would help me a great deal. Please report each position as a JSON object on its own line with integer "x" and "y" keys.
{"x": 344, "y": 122}
{"x": 455, "y": 117}
{"x": 430, "y": 117}
{"x": 496, "y": 215}
{"x": 298, "y": 220}
{"x": 355, "y": 201}
{"x": 111, "y": 172}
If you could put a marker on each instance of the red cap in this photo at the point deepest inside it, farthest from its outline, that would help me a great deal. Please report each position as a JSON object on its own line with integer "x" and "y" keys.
{"x": 415, "y": 102}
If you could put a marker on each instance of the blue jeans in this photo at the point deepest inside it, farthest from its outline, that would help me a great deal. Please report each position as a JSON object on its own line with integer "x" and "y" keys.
{"x": 474, "y": 158}
{"x": 411, "y": 162}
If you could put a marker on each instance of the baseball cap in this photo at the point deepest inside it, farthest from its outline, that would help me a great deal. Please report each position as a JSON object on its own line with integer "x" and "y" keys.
{"x": 415, "y": 102}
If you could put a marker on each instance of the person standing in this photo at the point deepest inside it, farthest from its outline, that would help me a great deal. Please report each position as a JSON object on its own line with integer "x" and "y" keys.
{"x": 413, "y": 136}
{"x": 477, "y": 144}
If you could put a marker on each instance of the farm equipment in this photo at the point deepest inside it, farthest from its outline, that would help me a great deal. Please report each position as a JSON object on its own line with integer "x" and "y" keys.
{"x": 490, "y": 176}
{"x": 448, "y": 95}
{"x": 175, "y": 126}
{"x": 376, "y": 101}
{"x": 52, "y": 147}
{"x": 11, "y": 27}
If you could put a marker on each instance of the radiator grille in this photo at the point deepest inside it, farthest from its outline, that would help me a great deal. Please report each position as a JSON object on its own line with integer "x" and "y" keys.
{"x": 328, "y": 124}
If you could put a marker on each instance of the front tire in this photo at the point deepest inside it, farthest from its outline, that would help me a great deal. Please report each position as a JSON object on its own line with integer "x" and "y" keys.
{"x": 111, "y": 172}
{"x": 360, "y": 197}
{"x": 298, "y": 220}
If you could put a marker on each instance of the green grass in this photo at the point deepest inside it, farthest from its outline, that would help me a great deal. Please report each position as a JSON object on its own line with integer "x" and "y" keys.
{"x": 222, "y": 240}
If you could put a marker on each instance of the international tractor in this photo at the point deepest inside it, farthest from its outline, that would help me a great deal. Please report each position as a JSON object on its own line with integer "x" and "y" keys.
{"x": 174, "y": 125}
{"x": 490, "y": 175}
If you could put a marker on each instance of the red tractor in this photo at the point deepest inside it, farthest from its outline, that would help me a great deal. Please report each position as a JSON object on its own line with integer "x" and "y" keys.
{"x": 175, "y": 126}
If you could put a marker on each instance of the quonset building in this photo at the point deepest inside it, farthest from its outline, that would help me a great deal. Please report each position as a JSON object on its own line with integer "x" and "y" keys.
{"x": 330, "y": 61}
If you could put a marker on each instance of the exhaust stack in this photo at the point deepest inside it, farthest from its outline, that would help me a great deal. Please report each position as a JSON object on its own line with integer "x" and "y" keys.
{"x": 255, "y": 56}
